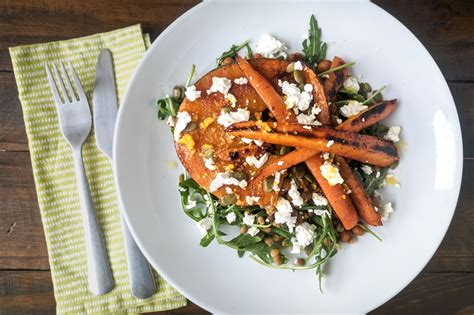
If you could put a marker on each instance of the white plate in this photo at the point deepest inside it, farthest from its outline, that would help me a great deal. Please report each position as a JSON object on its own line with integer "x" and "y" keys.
{"x": 361, "y": 276}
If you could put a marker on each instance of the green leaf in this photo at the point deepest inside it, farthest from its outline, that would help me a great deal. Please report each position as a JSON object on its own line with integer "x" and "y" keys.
{"x": 313, "y": 49}
{"x": 234, "y": 49}
{"x": 207, "y": 239}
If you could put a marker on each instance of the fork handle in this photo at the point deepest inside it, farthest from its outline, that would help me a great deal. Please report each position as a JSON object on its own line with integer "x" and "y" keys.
{"x": 99, "y": 273}
{"x": 141, "y": 279}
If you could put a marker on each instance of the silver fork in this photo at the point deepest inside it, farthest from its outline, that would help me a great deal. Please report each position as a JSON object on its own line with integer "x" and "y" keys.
{"x": 75, "y": 122}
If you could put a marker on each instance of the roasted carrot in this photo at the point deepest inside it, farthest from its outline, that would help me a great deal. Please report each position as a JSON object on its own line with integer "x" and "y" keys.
{"x": 335, "y": 80}
{"x": 358, "y": 194}
{"x": 238, "y": 152}
{"x": 337, "y": 197}
{"x": 283, "y": 162}
{"x": 376, "y": 152}
{"x": 319, "y": 96}
{"x": 368, "y": 117}
{"x": 266, "y": 91}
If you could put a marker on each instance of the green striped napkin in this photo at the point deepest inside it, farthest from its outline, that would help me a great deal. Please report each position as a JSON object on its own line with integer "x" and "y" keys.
{"x": 55, "y": 178}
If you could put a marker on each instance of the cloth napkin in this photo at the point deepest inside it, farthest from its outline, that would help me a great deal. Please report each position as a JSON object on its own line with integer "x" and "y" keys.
{"x": 54, "y": 175}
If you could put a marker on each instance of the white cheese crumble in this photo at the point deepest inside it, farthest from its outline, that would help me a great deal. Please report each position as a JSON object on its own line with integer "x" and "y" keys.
{"x": 209, "y": 164}
{"x": 351, "y": 85}
{"x": 248, "y": 141}
{"x": 204, "y": 225}
{"x": 222, "y": 179}
{"x": 231, "y": 98}
{"x": 339, "y": 121}
{"x": 377, "y": 175}
{"x": 319, "y": 200}
{"x": 171, "y": 121}
{"x": 295, "y": 195}
{"x": 253, "y": 231}
{"x": 231, "y": 217}
{"x": 248, "y": 219}
{"x": 387, "y": 209}
{"x": 304, "y": 236}
{"x": 326, "y": 155}
{"x": 241, "y": 81}
{"x": 191, "y": 204}
{"x": 276, "y": 182}
{"x": 258, "y": 163}
{"x": 229, "y": 190}
{"x": 228, "y": 118}
{"x": 298, "y": 65}
{"x": 366, "y": 169}
{"x": 330, "y": 143}
{"x": 283, "y": 213}
{"x": 221, "y": 85}
{"x": 280, "y": 163}
{"x": 295, "y": 98}
{"x": 252, "y": 199}
{"x": 270, "y": 47}
{"x": 352, "y": 108}
{"x": 192, "y": 94}
{"x": 331, "y": 173}
{"x": 182, "y": 120}
{"x": 393, "y": 134}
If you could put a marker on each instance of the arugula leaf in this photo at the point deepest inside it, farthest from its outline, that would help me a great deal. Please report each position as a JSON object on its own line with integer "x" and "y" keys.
{"x": 233, "y": 50}
{"x": 207, "y": 239}
{"x": 314, "y": 50}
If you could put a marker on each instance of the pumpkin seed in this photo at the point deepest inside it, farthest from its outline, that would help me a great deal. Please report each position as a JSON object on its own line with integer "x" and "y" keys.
{"x": 239, "y": 175}
{"x": 285, "y": 150}
{"x": 298, "y": 75}
{"x": 225, "y": 109}
{"x": 180, "y": 178}
{"x": 228, "y": 200}
{"x": 299, "y": 171}
{"x": 190, "y": 127}
{"x": 207, "y": 154}
{"x": 291, "y": 67}
{"x": 178, "y": 92}
{"x": 365, "y": 87}
{"x": 378, "y": 98}
{"x": 268, "y": 183}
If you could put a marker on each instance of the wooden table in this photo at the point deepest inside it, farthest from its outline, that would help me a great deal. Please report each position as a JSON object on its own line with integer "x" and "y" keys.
{"x": 446, "y": 28}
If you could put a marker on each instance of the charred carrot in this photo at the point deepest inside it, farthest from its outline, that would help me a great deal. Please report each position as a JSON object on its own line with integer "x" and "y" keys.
{"x": 266, "y": 91}
{"x": 335, "y": 79}
{"x": 368, "y": 117}
{"x": 319, "y": 96}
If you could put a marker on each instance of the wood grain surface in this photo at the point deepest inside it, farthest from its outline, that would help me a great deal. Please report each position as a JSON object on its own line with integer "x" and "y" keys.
{"x": 446, "y": 28}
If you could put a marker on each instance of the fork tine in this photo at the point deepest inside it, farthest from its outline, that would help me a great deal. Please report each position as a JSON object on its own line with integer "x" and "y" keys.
{"x": 68, "y": 83}
{"x": 52, "y": 85}
{"x": 80, "y": 90}
{"x": 61, "y": 84}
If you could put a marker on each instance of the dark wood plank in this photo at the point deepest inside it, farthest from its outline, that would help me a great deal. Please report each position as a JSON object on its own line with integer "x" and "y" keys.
{"x": 434, "y": 293}
{"x": 444, "y": 27}
{"x": 22, "y": 243}
{"x": 463, "y": 94}
{"x": 26, "y": 292}
{"x": 29, "y": 22}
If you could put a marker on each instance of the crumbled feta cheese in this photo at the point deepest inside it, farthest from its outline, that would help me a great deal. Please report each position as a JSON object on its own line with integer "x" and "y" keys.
{"x": 377, "y": 194}
{"x": 377, "y": 175}
{"x": 191, "y": 204}
{"x": 171, "y": 121}
{"x": 221, "y": 85}
{"x": 231, "y": 217}
{"x": 320, "y": 212}
{"x": 209, "y": 164}
{"x": 204, "y": 225}
{"x": 276, "y": 182}
{"x": 222, "y": 179}
{"x": 326, "y": 155}
{"x": 307, "y": 127}
{"x": 319, "y": 200}
{"x": 191, "y": 93}
{"x": 304, "y": 236}
{"x": 231, "y": 98}
{"x": 258, "y": 163}
{"x": 280, "y": 163}
{"x": 228, "y": 118}
{"x": 393, "y": 134}
{"x": 248, "y": 219}
{"x": 330, "y": 143}
{"x": 229, "y": 190}
{"x": 298, "y": 65}
{"x": 241, "y": 81}
{"x": 295, "y": 98}
{"x": 392, "y": 180}
{"x": 248, "y": 141}
{"x": 352, "y": 108}
{"x": 283, "y": 214}
{"x": 387, "y": 209}
{"x": 339, "y": 121}
{"x": 331, "y": 173}
{"x": 182, "y": 120}
{"x": 252, "y": 199}
{"x": 295, "y": 195}
{"x": 366, "y": 169}
{"x": 270, "y": 47}
{"x": 253, "y": 231}
{"x": 351, "y": 85}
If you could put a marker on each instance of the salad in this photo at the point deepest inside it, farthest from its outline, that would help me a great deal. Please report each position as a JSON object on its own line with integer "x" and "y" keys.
{"x": 284, "y": 153}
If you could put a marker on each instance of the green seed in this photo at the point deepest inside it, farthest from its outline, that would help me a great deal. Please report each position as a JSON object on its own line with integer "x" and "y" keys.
{"x": 268, "y": 183}
{"x": 291, "y": 67}
{"x": 228, "y": 200}
{"x": 239, "y": 175}
{"x": 180, "y": 178}
{"x": 207, "y": 154}
{"x": 365, "y": 87}
{"x": 225, "y": 109}
{"x": 285, "y": 150}
{"x": 309, "y": 178}
{"x": 299, "y": 171}
{"x": 190, "y": 127}
{"x": 178, "y": 92}
{"x": 378, "y": 98}
{"x": 298, "y": 75}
